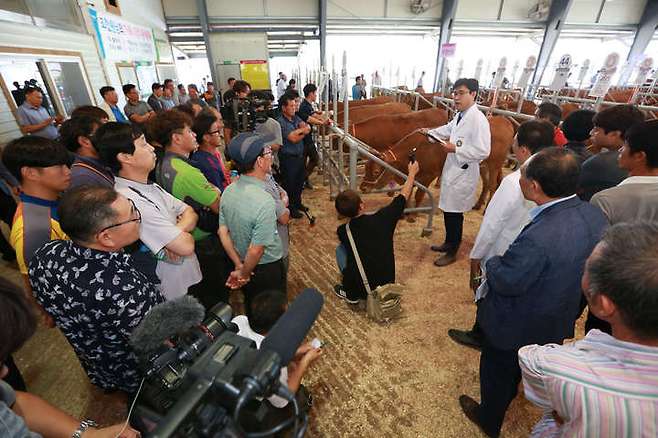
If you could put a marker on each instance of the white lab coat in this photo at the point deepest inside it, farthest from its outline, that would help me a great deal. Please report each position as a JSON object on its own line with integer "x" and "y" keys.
{"x": 281, "y": 88}
{"x": 473, "y": 140}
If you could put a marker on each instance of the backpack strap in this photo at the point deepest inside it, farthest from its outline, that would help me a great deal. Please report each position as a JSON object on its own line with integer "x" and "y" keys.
{"x": 358, "y": 259}
{"x": 96, "y": 171}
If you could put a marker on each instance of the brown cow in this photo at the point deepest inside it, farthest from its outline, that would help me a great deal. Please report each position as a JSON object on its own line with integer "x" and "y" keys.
{"x": 364, "y": 102}
{"x": 491, "y": 169}
{"x": 502, "y": 135}
{"x": 430, "y": 156}
{"x": 362, "y": 113}
{"x": 380, "y": 132}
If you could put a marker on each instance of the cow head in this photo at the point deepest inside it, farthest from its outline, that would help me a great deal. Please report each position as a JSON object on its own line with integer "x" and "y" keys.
{"x": 376, "y": 176}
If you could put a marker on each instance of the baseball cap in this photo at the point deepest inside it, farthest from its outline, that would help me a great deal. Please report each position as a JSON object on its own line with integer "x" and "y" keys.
{"x": 247, "y": 146}
{"x": 271, "y": 129}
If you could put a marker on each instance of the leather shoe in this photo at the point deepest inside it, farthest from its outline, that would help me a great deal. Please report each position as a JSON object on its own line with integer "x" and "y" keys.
{"x": 471, "y": 409}
{"x": 445, "y": 260}
{"x": 440, "y": 248}
{"x": 466, "y": 338}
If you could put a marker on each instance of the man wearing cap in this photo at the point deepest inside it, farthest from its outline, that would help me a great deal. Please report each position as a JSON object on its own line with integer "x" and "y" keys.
{"x": 247, "y": 221}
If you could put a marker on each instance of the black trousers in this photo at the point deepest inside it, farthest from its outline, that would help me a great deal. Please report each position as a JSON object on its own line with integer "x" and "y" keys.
{"x": 454, "y": 224}
{"x": 311, "y": 157}
{"x": 215, "y": 267}
{"x": 14, "y": 377}
{"x": 292, "y": 178}
{"x": 267, "y": 276}
{"x": 7, "y": 211}
{"x": 500, "y": 375}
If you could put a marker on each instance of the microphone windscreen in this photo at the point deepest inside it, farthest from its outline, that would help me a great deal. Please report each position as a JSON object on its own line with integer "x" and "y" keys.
{"x": 290, "y": 330}
{"x": 166, "y": 320}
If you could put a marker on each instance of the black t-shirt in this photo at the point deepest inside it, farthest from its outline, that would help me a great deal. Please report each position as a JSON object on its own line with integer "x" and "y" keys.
{"x": 373, "y": 236}
{"x": 598, "y": 173}
{"x": 305, "y": 111}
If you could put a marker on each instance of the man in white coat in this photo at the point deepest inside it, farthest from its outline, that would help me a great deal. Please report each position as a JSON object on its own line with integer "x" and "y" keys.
{"x": 467, "y": 140}
{"x": 506, "y": 215}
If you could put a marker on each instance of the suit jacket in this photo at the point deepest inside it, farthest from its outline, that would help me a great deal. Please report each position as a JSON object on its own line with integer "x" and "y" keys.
{"x": 534, "y": 288}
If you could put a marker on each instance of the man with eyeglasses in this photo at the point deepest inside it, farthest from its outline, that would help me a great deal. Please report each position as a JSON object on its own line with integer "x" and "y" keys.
{"x": 167, "y": 222}
{"x": 90, "y": 285}
{"x": 467, "y": 141}
{"x": 247, "y": 221}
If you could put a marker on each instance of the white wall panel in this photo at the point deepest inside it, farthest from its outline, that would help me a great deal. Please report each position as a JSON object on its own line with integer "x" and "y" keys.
{"x": 292, "y": 8}
{"x": 241, "y": 8}
{"x": 178, "y": 8}
{"x": 516, "y": 10}
{"x": 350, "y": 8}
{"x": 583, "y": 11}
{"x": 477, "y": 10}
{"x": 401, "y": 9}
{"x": 623, "y": 12}
{"x": 235, "y": 46}
{"x": 19, "y": 35}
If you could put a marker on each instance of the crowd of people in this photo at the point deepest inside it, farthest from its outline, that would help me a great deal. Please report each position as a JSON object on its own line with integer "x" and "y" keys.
{"x": 120, "y": 210}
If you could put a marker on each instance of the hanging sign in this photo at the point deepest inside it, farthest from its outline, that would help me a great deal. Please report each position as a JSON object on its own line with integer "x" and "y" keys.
{"x": 527, "y": 71}
{"x": 120, "y": 40}
{"x": 604, "y": 79}
{"x": 478, "y": 70}
{"x": 448, "y": 49}
{"x": 256, "y": 72}
{"x": 500, "y": 72}
{"x": 643, "y": 72}
{"x": 583, "y": 71}
{"x": 561, "y": 73}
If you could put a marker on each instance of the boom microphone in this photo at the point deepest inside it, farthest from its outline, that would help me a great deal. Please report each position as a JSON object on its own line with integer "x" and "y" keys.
{"x": 290, "y": 330}
{"x": 166, "y": 320}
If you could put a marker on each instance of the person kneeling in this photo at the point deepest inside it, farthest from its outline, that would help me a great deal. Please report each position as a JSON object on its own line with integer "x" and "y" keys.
{"x": 373, "y": 238}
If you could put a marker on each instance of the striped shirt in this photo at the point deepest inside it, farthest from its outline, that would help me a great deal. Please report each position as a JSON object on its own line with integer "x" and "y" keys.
{"x": 600, "y": 387}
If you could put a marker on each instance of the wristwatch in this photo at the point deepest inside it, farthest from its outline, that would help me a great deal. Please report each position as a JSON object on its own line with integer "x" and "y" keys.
{"x": 84, "y": 425}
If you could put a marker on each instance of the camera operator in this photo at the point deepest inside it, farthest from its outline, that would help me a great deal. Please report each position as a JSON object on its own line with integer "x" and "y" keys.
{"x": 241, "y": 90}
{"x": 90, "y": 286}
{"x": 309, "y": 115}
{"x": 266, "y": 309}
{"x": 26, "y": 415}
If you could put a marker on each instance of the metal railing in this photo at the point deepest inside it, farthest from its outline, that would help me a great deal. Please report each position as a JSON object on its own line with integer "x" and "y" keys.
{"x": 333, "y": 161}
{"x": 397, "y": 93}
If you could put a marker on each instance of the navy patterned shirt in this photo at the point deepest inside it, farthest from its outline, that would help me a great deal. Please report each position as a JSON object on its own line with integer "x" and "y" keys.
{"x": 97, "y": 299}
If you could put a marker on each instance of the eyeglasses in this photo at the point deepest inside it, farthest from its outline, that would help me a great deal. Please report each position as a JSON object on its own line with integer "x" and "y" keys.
{"x": 214, "y": 132}
{"x": 134, "y": 211}
{"x": 266, "y": 152}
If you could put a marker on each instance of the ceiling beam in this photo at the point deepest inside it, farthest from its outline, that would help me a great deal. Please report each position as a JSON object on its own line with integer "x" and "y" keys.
{"x": 448, "y": 11}
{"x": 323, "y": 33}
{"x": 646, "y": 29}
{"x": 554, "y": 25}
{"x": 203, "y": 20}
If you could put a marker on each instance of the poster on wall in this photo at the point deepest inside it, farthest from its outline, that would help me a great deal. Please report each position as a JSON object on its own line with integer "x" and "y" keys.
{"x": 256, "y": 72}
{"x": 120, "y": 40}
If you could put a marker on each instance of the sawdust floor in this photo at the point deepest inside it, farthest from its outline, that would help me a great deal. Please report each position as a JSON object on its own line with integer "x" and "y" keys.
{"x": 401, "y": 380}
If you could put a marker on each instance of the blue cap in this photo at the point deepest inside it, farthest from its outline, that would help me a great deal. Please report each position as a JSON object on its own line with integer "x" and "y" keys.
{"x": 247, "y": 146}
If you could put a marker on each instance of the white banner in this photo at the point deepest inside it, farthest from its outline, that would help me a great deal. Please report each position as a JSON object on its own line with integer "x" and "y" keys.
{"x": 120, "y": 40}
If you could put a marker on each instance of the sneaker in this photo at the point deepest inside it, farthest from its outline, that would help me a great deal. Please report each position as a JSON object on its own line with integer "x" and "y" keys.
{"x": 296, "y": 214}
{"x": 303, "y": 208}
{"x": 340, "y": 293}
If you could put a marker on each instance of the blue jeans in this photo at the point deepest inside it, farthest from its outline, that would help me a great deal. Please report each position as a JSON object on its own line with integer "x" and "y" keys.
{"x": 341, "y": 257}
